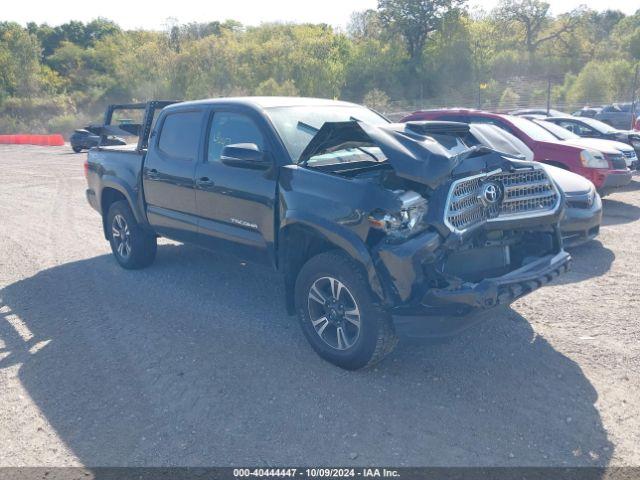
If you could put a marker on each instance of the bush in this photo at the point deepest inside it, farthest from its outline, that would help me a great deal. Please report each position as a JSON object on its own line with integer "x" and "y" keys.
{"x": 66, "y": 124}
{"x": 509, "y": 99}
{"x": 601, "y": 82}
{"x": 32, "y": 115}
{"x": 377, "y": 100}
{"x": 272, "y": 88}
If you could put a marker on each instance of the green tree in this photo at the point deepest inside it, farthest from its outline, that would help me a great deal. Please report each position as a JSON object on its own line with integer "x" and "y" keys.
{"x": 533, "y": 22}
{"x": 590, "y": 86}
{"x": 415, "y": 20}
{"x": 272, "y": 88}
{"x": 19, "y": 61}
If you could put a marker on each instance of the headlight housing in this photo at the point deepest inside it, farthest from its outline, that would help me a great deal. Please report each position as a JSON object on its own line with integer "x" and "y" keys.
{"x": 404, "y": 223}
{"x": 583, "y": 201}
{"x": 593, "y": 159}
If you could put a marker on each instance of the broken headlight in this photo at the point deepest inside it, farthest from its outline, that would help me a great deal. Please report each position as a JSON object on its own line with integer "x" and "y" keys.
{"x": 406, "y": 222}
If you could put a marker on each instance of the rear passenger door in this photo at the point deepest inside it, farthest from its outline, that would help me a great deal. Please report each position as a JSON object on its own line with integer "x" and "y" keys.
{"x": 168, "y": 174}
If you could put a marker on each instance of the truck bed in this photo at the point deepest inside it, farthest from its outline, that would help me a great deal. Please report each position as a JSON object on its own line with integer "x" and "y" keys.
{"x": 129, "y": 148}
{"x": 118, "y": 167}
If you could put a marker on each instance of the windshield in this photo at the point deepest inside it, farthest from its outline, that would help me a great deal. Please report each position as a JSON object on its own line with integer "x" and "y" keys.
{"x": 298, "y": 125}
{"x": 560, "y": 132}
{"x": 501, "y": 140}
{"x": 597, "y": 125}
{"x": 534, "y": 131}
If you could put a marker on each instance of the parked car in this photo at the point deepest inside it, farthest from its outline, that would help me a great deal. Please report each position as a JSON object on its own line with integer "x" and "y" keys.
{"x": 618, "y": 115}
{"x": 86, "y": 138}
{"x": 538, "y": 111}
{"x": 589, "y": 112}
{"x": 366, "y": 220}
{"x": 592, "y": 128}
{"x": 606, "y": 173}
{"x": 609, "y": 148}
{"x": 583, "y": 212}
{"x": 107, "y": 133}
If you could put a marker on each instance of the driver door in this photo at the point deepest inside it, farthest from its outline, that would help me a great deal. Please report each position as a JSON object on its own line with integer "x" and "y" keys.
{"x": 235, "y": 205}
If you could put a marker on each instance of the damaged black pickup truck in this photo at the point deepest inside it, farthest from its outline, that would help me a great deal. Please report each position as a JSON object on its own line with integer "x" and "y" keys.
{"x": 368, "y": 221}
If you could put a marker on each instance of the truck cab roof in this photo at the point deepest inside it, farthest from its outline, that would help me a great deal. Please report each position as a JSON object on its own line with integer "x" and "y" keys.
{"x": 264, "y": 102}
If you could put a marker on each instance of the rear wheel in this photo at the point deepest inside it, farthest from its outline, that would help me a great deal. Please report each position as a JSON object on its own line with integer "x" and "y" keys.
{"x": 338, "y": 313}
{"x": 133, "y": 247}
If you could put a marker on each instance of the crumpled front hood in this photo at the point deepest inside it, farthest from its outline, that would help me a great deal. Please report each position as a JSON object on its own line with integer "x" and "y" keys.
{"x": 413, "y": 156}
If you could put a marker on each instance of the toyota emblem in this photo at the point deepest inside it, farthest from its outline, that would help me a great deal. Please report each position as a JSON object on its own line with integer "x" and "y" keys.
{"x": 490, "y": 194}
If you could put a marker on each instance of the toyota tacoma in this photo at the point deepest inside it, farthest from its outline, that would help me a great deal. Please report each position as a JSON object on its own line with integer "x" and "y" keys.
{"x": 368, "y": 221}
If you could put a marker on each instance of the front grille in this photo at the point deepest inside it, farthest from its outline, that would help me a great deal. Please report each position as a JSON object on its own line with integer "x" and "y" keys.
{"x": 618, "y": 161}
{"x": 465, "y": 210}
{"x": 526, "y": 193}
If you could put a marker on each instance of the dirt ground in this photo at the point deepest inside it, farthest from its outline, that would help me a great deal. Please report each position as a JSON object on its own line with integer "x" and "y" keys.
{"x": 194, "y": 361}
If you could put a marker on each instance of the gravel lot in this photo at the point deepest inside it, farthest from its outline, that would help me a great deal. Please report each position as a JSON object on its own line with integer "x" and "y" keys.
{"x": 195, "y": 362}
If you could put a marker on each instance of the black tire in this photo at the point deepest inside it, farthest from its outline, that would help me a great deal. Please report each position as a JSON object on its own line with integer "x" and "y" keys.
{"x": 76, "y": 148}
{"x": 375, "y": 336}
{"x": 140, "y": 247}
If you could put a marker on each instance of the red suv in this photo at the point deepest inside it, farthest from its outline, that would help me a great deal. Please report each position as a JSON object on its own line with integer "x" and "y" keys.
{"x": 605, "y": 171}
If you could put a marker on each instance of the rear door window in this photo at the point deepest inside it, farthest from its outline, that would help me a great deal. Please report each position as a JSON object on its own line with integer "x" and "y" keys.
{"x": 180, "y": 135}
{"x": 577, "y": 128}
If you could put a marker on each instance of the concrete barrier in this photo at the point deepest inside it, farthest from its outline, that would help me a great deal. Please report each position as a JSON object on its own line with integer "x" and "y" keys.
{"x": 54, "y": 140}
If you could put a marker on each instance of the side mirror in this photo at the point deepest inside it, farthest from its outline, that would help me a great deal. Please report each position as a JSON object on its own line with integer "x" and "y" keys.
{"x": 244, "y": 155}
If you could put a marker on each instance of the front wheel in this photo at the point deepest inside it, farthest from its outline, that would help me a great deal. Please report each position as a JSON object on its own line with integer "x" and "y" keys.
{"x": 338, "y": 314}
{"x": 76, "y": 148}
{"x": 133, "y": 247}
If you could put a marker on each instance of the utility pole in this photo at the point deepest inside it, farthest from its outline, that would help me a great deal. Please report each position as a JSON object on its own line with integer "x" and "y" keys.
{"x": 549, "y": 95}
{"x": 634, "y": 91}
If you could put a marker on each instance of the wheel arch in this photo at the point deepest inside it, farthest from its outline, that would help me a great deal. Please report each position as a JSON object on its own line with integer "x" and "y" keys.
{"x": 301, "y": 238}
{"x": 113, "y": 191}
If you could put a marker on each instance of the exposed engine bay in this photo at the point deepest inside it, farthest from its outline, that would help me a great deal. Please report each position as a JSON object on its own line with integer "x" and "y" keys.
{"x": 490, "y": 217}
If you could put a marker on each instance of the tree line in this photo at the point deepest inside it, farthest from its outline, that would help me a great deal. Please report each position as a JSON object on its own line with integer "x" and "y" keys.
{"x": 401, "y": 55}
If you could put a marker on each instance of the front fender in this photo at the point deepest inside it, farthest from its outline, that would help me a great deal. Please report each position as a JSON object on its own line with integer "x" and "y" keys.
{"x": 340, "y": 236}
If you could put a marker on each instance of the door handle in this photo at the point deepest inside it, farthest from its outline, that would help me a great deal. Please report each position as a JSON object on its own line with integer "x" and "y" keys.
{"x": 152, "y": 173}
{"x": 204, "y": 182}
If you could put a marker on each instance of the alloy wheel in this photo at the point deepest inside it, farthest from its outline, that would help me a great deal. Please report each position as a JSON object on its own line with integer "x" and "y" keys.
{"x": 334, "y": 313}
{"x": 121, "y": 236}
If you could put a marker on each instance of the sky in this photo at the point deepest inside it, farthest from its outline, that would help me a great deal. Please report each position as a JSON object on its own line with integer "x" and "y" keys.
{"x": 139, "y": 14}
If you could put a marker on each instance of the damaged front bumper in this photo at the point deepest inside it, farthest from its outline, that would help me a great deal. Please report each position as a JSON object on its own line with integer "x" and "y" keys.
{"x": 500, "y": 290}
{"x": 403, "y": 268}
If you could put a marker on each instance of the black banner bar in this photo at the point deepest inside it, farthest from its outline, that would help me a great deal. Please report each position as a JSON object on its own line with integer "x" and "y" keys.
{"x": 303, "y": 473}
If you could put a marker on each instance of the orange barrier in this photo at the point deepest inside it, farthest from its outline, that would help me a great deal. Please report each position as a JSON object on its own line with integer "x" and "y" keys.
{"x": 55, "y": 140}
